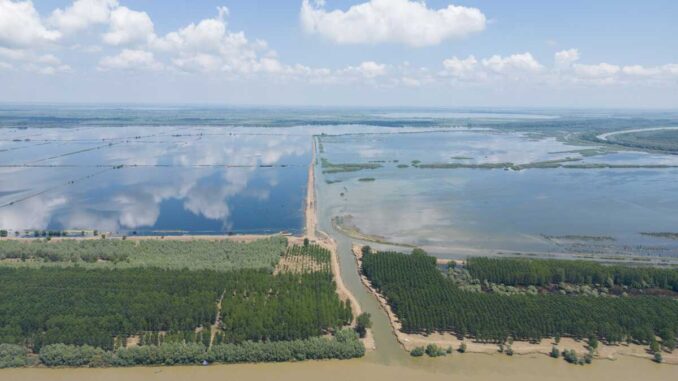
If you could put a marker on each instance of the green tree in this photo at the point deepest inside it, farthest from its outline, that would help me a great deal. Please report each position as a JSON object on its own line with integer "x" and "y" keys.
{"x": 555, "y": 353}
{"x": 362, "y": 323}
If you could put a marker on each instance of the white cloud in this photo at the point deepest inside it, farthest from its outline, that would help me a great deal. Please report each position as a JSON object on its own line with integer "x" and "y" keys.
{"x": 82, "y": 14}
{"x": 20, "y": 26}
{"x": 371, "y": 69}
{"x": 642, "y": 71}
{"x": 514, "y": 62}
{"x": 129, "y": 27}
{"x": 130, "y": 60}
{"x": 399, "y": 21}
{"x": 565, "y": 58}
{"x": 597, "y": 70}
{"x": 209, "y": 46}
{"x": 33, "y": 61}
{"x": 460, "y": 68}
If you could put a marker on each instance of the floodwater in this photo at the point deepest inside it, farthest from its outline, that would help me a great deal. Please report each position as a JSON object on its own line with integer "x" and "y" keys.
{"x": 459, "y": 367}
{"x": 153, "y": 179}
{"x": 455, "y": 212}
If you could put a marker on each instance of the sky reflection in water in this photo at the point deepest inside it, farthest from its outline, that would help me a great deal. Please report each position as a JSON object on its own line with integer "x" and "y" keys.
{"x": 207, "y": 180}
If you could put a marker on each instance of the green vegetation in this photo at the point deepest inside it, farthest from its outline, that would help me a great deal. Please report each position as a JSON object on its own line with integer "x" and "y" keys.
{"x": 343, "y": 345}
{"x": 555, "y": 353}
{"x": 362, "y": 323}
{"x": 462, "y": 348}
{"x": 656, "y": 140}
{"x": 417, "y": 352}
{"x": 548, "y": 164}
{"x": 78, "y": 306}
{"x": 13, "y": 356}
{"x": 329, "y": 167}
{"x": 82, "y": 314}
{"x": 542, "y": 272}
{"x": 221, "y": 254}
{"x": 426, "y": 301}
{"x": 662, "y": 235}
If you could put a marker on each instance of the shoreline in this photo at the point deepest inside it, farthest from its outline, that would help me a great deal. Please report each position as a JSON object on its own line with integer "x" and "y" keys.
{"x": 520, "y": 348}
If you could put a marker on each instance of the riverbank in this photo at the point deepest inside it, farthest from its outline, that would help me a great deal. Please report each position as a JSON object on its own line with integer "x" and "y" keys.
{"x": 520, "y": 348}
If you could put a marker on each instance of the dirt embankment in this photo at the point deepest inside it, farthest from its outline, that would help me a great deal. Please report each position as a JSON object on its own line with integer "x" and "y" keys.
{"x": 311, "y": 222}
{"x": 445, "y": 339}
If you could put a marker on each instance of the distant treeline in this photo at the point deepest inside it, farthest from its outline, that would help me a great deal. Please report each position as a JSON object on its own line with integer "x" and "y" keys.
{"x": 426, "y": 301}
{"x": 541, "y": 272}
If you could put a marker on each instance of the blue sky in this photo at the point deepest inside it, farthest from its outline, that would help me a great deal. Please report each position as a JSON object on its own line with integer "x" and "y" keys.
{"x": 333, "y": 52}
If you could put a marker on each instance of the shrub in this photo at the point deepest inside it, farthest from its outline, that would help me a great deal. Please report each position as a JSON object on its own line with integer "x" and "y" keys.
{"x": 658, "y": 357}
{"x": 417, "y": 352}
{"x": 554, "y": 352}
{"x": 70, "y": 355}
{"x": 462, "y": 348}
{"x": 12, "y": 356}
{"x": 433, "y": 350}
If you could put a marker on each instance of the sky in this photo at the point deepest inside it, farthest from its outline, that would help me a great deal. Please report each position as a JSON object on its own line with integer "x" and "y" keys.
{"x": 491, "y": 53}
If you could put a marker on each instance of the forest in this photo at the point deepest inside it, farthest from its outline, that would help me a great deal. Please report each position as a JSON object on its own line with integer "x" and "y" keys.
{"x": 542, "y": 272}
{"x": 426, "y": 301}
{"x": 81, "y": 311}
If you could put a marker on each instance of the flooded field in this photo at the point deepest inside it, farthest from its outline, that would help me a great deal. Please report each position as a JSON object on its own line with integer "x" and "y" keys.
{"x": 458, "y": 193}
{"x": 153, "y": 180}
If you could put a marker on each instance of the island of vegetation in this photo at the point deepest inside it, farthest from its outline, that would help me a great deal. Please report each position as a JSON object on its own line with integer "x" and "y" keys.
{"x": 120, "y": 302}
{"x": 506, "y": 302}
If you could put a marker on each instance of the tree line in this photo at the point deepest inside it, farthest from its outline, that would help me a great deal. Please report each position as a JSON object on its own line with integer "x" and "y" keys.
{"x": 343, "y": 345}
{"x": 542, "y": 272}
{"x": 425, "y": 301}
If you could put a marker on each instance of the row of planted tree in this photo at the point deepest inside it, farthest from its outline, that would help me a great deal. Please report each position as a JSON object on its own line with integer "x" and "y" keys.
{"x": 425, "y": 301}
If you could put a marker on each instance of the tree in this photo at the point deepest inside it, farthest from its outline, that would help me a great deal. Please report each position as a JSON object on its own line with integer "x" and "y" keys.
{"x": 417, "y": 352}
{"x": 418, "y": 251}
{"x": 362, "y": 323}
{"x": 305, "y": 242}
{"x": 462, "y": 348}
{"x": 555, "y": 353}
{"x": 593, "y": 342}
